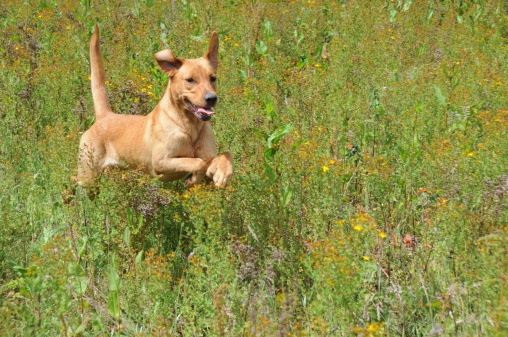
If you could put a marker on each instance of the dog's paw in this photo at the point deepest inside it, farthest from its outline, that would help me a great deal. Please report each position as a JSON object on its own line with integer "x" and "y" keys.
{"x": 224, "y": 171}
{"x": 220, "y": 170}
{"x": 222, "y": 178}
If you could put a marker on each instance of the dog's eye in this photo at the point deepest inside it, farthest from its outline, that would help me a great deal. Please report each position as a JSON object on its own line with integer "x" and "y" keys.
{"x": 190, "y": 80}
{"x": 213, "y": 79}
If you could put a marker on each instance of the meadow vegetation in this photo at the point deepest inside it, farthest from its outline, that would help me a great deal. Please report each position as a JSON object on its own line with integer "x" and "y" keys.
{"x": 371, "y": 172}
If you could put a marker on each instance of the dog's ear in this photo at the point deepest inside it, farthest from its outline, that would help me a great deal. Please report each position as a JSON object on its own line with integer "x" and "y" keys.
{"x": 168, "y": 62}
{"x": 213, "y": 51}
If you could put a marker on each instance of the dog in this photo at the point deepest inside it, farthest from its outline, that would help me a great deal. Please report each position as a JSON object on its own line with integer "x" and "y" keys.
{"x": 172, "y": 142}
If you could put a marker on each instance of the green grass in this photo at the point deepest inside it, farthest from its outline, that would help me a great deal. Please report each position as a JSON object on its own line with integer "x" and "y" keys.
{"x": 371, "y": 172}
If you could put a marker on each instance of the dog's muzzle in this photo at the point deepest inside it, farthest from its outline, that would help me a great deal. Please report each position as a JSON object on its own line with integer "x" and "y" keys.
{"x": 204, "y": 113}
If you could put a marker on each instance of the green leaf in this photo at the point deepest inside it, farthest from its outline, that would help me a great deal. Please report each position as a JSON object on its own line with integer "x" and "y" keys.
{"x": 79, "y": 285}
{"x": 243, "y": 74}
{"x": 416, "y": 140}
{"x": 127, "y": 237}
{"x": 130, "y": 217}
{"x": 80, "y": 329}
{"x": 261, "y": 133}
{"x": 83, "y": 247}
{"x": 270, "y": 153}
{"x": 277, "y": 135}
{"x": 267, "y": 29}
{"x": 407, "y": 5}
{"x": 139, "y": 257}
{"x": 74, "y": 268}
{"x": 270, "y": 111}
{"x": 298, "y": 143}
{"x": 441, "y": 99}
{"x": 114, "y": 286}
{"x": 252, "y": 232}
{"x": 447, "y": 74}
{"x": 261, "y": 48}
{"x": 20, "y": 270}
{"x": 287, "y": 193}
{"x": 456, "y": 82}
{"x": 393, "y": 15}
{"x": 140, "y": 223}
{"x": 113, "y": 278}
{"x": 113, "y": 304}
{"x": 249, "y": 60}
{"x": 269, "y": 171}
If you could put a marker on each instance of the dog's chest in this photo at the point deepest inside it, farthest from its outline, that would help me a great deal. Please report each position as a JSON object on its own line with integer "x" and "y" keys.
{"x": 193, "y": 141}
{"x": 185, "y": 145}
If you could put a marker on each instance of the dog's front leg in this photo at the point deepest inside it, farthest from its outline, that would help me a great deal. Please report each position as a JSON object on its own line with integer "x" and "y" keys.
{"x": 220, "y": 169}
{"x": 172, "y": 168}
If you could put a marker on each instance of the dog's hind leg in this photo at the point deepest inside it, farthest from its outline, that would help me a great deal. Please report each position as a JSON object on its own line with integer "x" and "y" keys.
{"x": 89, "y": 163}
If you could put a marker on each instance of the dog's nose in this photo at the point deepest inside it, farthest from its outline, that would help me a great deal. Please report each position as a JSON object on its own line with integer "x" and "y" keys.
{"x": 210, "y": 98}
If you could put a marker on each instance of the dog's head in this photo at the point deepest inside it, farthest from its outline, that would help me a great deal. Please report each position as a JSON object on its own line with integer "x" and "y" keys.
{"x": 192, "y": 82}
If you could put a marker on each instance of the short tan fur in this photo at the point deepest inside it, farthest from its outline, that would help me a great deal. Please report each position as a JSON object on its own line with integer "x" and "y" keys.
{"x": 172, "y": 142}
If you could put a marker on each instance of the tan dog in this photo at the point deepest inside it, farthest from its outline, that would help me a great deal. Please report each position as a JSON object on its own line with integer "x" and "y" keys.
{"x": 174, "y": 141}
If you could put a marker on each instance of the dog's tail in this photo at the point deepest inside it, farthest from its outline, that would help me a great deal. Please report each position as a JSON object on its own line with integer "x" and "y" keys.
{"x": 98, "y": 78}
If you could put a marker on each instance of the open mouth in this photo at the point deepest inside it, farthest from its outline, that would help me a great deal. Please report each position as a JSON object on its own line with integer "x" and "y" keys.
{"x": 205, "y": 113}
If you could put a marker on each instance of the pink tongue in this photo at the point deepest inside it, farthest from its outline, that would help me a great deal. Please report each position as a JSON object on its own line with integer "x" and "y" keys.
{"x": 204, "y": 111}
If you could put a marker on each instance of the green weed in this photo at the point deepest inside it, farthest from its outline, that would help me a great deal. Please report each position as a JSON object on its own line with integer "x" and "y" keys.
{"x": 370, "y": 190}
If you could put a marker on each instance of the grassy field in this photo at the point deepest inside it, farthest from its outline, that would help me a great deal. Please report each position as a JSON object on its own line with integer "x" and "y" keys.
{"x": 371, "y": 172}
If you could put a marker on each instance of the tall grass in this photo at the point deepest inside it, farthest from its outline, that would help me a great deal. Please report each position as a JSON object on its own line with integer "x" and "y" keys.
{"x": 371, "y": 172}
